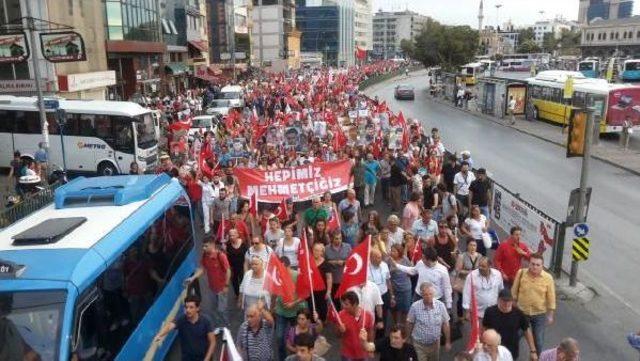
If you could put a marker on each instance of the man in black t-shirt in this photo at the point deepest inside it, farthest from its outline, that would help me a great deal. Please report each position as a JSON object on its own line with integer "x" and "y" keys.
{"x": 392, "y": 348}
{"x": 508, "y": 320}
{"x": 197, "y": 340}
{"x": 479, "y": 192}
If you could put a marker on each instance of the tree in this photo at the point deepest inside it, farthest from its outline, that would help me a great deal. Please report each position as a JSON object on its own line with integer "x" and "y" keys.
{"x": 447, "y": 46}
{"x": 529, "y": 46}
{"x": 407, "y": 47}
{"x": 525, "y": 35}
{"x": 549, "y": 42}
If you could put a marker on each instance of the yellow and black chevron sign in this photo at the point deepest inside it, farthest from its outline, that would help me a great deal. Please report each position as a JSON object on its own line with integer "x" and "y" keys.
{"x": 580, "y": 249}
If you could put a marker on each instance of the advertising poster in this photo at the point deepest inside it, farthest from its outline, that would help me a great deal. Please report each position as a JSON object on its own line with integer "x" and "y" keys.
{"x": 300, "y": 183}
{"x": 519, "y": 94}
{"x": 63, "y": 47}
{"x": 537, "y": 230}
{"x": 624, "y": 103}
{"x": 13, "y": 48}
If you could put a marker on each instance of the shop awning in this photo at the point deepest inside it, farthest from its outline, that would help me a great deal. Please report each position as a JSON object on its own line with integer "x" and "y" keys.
{"x": 199, "y": 45}
{"x": 176, "y": 68}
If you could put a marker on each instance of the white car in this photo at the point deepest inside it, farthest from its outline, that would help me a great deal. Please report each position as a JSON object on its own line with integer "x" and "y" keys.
{"x": 202, "y": 124}
{"x": 233, "y": 93}
{"x": 219, "y": 106}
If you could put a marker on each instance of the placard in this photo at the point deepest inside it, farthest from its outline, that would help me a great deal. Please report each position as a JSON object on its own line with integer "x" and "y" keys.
{"x": 63, "y": 47}
{"x": 14, "y": 48}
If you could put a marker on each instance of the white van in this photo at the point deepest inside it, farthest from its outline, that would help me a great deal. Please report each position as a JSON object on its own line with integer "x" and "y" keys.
{"x": 235, "y": 95}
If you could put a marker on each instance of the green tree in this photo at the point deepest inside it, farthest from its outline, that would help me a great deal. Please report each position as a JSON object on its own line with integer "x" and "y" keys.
{"x": 549, "y": 42}
{"x": 529, "y": 46}
{"x": 407, "y": 47}
{"x": 447, "y": 46}
{"x": 525, "y": 34}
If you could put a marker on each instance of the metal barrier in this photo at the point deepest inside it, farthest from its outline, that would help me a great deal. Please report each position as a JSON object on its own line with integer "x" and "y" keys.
{"x": 384, "y": 77}
{"x": 28, "y": 205}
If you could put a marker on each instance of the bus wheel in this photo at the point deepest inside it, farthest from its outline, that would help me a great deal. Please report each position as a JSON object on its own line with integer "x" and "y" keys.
{"x": 107, "y": 168}
{"x": 535, "y": 113}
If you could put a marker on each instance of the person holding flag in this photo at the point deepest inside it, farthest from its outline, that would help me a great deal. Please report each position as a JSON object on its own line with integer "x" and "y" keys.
{"x": 353, "y": 319}
{"x": 311, "y": 282}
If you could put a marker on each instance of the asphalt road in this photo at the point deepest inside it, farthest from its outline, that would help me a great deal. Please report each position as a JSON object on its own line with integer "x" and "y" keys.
{"x": 539, "y": 171}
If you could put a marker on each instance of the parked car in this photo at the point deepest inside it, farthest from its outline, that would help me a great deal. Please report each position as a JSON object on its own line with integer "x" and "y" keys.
{"x": 404, "y": 91}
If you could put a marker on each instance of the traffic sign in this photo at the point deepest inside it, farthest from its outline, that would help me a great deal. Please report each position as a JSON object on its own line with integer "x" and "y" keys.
{"x": 581, "y": 230}
{"x": 580, "y": 249}
{"x": 51, "y": 104}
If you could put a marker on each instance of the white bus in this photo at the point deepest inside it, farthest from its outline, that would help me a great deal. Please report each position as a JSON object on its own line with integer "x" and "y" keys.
{"x": 102, "y": 137}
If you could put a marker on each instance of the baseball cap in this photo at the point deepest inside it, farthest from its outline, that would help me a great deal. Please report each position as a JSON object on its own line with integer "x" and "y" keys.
{"x": 505, "y": 295}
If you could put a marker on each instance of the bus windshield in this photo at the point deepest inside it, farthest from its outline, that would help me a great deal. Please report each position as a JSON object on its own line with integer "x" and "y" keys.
{"x": 146, "y": 131}
{"x": 585, "y": 66}
{"x": 632, "y": 65}
{"x": 30, "y": 324}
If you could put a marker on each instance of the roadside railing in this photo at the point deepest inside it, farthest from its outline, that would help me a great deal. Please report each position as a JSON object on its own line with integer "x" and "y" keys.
{"x": 29, "y": 204}
{"x": 384, "y": 77}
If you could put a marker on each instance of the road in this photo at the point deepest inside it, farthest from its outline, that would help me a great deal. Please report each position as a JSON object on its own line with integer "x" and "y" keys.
{"x": 539, "y": 171}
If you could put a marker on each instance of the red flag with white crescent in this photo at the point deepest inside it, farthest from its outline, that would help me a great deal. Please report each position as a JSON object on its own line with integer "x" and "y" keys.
{"x": 333, "y": 223}
{"x": 310, "y": 276}
{"x": 355, "y": 267}
{"x": 278, "y": 280}
{"x": 253, "y": 205}
{"x": 281, "y": 212}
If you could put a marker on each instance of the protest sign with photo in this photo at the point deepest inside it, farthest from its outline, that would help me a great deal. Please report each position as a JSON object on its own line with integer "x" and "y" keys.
{"x": 63, "y": 47}
{"x": 13, "y": 48}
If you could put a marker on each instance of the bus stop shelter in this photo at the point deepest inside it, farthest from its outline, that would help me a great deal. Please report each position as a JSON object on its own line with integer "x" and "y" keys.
{"x": 493, "y": 94}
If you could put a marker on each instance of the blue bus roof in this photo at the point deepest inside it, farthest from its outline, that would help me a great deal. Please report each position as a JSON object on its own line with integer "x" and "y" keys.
{"x": 83, "y": 253}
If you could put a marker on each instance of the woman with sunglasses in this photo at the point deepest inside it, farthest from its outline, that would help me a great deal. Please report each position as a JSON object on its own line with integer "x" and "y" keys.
{"x": 446, "y": 244}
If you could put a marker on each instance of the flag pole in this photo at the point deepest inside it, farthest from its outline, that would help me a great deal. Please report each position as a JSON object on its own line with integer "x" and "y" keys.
{"x": 366, "y": 279}
{"x": 313, "y": 299}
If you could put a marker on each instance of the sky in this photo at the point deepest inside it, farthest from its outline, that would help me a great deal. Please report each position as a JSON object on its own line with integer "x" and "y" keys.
{"x": 465, "y": 12}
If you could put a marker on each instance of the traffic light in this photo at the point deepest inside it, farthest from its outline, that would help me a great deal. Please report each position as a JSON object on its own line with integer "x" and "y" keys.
{"x": 577, "y": 134}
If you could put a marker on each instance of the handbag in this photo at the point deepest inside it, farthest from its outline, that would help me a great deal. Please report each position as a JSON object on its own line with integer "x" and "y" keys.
{"x": 486, "y": 240}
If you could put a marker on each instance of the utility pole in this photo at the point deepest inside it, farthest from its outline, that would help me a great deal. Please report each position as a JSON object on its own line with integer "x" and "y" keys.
{"x": 31, "y": 28}
{"x": 584, "y": 178}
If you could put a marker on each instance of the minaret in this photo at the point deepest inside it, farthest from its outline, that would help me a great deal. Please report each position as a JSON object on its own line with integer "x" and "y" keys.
{"x": 480, "y": 16}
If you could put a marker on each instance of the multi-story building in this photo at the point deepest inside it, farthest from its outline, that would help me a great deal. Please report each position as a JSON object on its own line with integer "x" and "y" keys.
{"x": 390, "y": 28}
{"x": 604, "y": 9}
{"x": 86, "y": 79}
{"x": 553, "y": 26}
{"x": 327, "y": 28}
{"x": 134, "y": 46}
{"x": 274, "y": 23}
{"x": 613, "y": 37}
{"x": 230, "y": 25}
{"x": 363, "y": 24}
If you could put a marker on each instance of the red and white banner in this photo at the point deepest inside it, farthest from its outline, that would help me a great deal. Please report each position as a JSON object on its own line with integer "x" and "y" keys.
{"x": 299, "y": 183}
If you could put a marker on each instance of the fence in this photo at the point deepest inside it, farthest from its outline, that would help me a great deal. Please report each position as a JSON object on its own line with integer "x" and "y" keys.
{"x": 28, "y": 205}
{"x": 384, "y": 77}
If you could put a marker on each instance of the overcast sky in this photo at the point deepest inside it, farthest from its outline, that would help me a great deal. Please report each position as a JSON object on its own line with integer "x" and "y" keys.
{"x": 521, "y": 12}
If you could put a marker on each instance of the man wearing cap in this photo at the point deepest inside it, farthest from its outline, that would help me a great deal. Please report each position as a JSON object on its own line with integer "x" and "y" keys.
{"x": 480, "y": 192}
{"x": 166, "y": 165}
{"x": 510, "y": 323}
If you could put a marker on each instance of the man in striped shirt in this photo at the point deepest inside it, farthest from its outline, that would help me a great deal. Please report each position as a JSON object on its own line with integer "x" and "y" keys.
{"x": 255, "y": 335}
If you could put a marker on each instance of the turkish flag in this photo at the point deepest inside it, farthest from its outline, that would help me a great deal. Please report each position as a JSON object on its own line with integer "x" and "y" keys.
{"x": 253, "y": 205}
{"x": 401, "y": 121}
{"x": 332, "y": 314}
{"x": 309, "y": 277}
{"x": 474, "y": 335}
{"x": 355, "y": 267}
{"x": 222, "y": 231}
{"x": 278, "y": 280}
{"x": 333, "y": 223}
{"x": 281, "y": 212}
{"x": 416, "y": 252}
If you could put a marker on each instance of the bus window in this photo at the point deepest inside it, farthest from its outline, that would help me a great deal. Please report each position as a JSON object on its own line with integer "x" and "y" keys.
{"x": 52, "y": 123}
{"x": 27, "y": 122}
{"x": 123, "y": 137}
{"x": 129, "y": 287}
{"x": 6, "y": 121}
{"x": 579, "y": 99}
{"x": 104, "y": 129}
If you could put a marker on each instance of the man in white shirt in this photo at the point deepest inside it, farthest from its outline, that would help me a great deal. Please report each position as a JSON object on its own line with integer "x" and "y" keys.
{"x": 379, "y": 274}
{"x": 512, "y": 108}
{"x": 425, "y": 227}
{"x": 429, "y": 270}
{"x": 487, "y": 283}
{"x": 461, "y": 182}
{"x": 491, "y": 350}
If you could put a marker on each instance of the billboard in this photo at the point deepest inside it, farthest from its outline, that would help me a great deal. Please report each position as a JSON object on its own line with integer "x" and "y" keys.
{"x": 13, "y": 48}
{"x": 63, "y": 47}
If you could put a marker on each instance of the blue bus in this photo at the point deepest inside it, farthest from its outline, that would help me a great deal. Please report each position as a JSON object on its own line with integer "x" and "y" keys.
{"x": 94, "y": 275}
{"x": 590, "y": 68}
{"x": 631, "y": 70}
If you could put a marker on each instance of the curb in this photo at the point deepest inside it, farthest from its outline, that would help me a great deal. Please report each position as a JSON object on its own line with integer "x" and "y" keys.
{"x": 495, "y": 120}
{"x": 581, "y": 292}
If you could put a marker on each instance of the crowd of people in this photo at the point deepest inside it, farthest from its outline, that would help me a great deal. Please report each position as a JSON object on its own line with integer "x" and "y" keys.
{"x": 433, "y": 257}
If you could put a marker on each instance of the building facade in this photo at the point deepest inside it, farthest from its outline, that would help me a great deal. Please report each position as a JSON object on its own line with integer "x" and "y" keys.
{"x": 614, "y": 37}
{"x": 553, "y": 26}
{"x": 604, "y": 9}
{"x": 328, "y": 30}
{"x": 363, "y": 24}
{"x": 390, "y": 28}
{"x": 86, "y": 79}
{"x": 274, "y": 23}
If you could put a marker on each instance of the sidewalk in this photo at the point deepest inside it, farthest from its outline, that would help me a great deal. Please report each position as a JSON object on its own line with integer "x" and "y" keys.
{"x": 607, "y": 150}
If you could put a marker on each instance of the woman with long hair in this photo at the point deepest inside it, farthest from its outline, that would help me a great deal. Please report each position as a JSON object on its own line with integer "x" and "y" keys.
{"x": 401, "y": 285}
{"x": 474, "y": 227}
